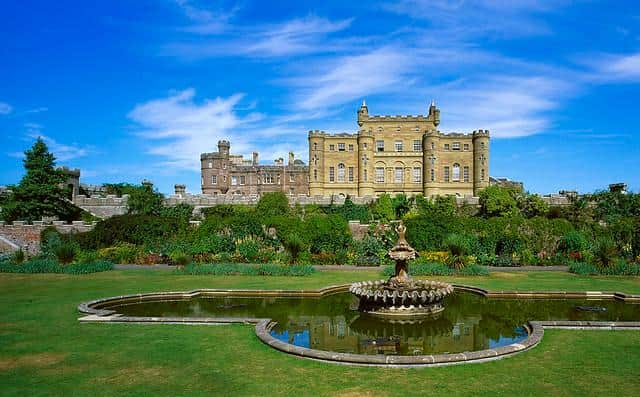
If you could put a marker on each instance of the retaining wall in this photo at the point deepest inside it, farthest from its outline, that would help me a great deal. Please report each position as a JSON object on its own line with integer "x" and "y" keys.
{"x": 21, "y": 235}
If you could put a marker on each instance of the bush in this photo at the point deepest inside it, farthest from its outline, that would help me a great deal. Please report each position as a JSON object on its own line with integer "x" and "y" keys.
{"x": 228, "y": 269}
{"x": 65, "y": 253}
{"x": 134, "y": 229}
{"x": 582, "y": 268}
{"x": 498, "y": 201}
{"x": 248, "y": 248}
{"x": 180, "y": 259}
{"x": 458, "y": 246}
{"x": 51, "y": 266}
{"x": 618, "y": 268}
{"x": 605, "y": 253}
{"x": 18, "y": 256}
{"x": 369, "y": 251}
{"x": 572, "y": 242}
{"x": 294, "y": 246}
{"x": 274, "y": 203}
{"x": 120, "y": 253}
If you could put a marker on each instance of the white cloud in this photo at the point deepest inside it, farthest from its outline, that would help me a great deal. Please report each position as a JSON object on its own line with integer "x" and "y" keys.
{"x": 5, "y": 108}
{"x": 293, "y": 37}
{"x": 616, "y": 68}
{"x": 180, "y": 129}
{"x": 62, "y": 152}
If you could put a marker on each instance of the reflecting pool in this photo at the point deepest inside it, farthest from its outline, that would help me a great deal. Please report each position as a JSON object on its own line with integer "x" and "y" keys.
{"x": 469, "y": 322}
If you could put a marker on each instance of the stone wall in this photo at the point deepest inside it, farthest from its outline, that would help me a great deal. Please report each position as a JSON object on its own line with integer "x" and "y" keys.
{"x": 103, "y": 207}
{"x": 21, "y": 235}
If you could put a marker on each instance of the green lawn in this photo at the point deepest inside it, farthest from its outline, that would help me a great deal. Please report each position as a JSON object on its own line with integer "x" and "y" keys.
{"x": 45, "y": 351}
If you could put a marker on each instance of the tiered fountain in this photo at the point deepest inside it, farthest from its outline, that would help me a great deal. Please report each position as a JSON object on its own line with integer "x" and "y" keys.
{"x": 401, "y": 297}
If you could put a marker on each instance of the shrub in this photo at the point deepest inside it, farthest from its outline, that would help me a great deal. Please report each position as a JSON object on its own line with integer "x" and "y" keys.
{"x": 51, "y": 266}
{"x": 498, "y": 201}
{"x": 294, "y": 246}
{"x": 572, "y": 242}
{"x": 248, "y": 248}
{"x": 246, "y": 270}
{"x": 274, "y": 203}
{"x": 382, "y": 209}
{"x": 434, "y": 256}
{"x": 180, "y": 259}
{"x": 18, "y": 256}
{"x": 65, "y": 253}
{"x": 369, "y": 251}
{"x": 120, "y": 253}
{"x": 605, "y": 252}
{"x": 458, "y": 246}
{"x": 582, "y": 268}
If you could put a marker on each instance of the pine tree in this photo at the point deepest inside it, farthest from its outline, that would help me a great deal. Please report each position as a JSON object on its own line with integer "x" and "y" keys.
{"x": 41, "y": 191}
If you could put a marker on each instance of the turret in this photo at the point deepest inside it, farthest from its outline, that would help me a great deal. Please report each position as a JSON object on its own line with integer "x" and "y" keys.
{"x": 366, "y": 173}
{"x": 316, "y": 162}
{"x": 480, "y": 160}
{"x": 223, "y": 147}
{"x": 434, "y": 113}
{"x": 363, "y": 113}
{"x": 430, "y": 141}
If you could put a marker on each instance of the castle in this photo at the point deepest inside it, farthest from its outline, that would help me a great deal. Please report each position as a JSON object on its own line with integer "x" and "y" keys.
{"x": 388, "y": 154}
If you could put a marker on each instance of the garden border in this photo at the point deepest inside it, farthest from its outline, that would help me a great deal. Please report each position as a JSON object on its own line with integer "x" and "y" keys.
{"x": 95, "y": 312}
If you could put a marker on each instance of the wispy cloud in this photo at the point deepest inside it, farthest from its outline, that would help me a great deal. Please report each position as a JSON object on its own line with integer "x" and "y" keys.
{"x": 62, "y": 152}
{"x": 293, "y": 37}
{"x": 5, "y": 108}
{"x": 181, "y": 128}
{"x": 615, "y": 68}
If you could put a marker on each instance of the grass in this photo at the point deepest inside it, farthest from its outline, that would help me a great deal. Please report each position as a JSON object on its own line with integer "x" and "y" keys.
{"x": 45, "y": 351}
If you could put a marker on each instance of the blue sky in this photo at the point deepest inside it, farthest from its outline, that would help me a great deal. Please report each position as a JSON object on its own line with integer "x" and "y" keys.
{"x": 127, "y": 90}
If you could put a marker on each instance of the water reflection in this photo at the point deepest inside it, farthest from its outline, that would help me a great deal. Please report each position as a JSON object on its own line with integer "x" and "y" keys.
{"x": 469, "y": 322}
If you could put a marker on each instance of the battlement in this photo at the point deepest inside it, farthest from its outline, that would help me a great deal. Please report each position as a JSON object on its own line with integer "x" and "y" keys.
{"x": 398, "y": 118}
{"x": 481, "y": 133}
{"x": 70, "y": 171}
{"x": 323, "y": 134}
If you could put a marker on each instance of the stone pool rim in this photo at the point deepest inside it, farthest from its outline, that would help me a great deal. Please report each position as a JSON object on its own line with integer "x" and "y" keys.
{"x": 95, "y": 312}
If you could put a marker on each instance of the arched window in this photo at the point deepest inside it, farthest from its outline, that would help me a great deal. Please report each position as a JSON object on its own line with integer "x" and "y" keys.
{"x": 341, "y": 172}
{"x": 455, "y": 173}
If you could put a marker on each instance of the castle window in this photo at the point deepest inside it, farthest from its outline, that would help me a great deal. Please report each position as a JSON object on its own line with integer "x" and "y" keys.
{"x": 417, "y": 145}
{"x": 380, "y": 146}
{"x": 340, "y": 172}
{"x": 202, "y": 181}
{"x": 433, "y": 160}
{"x": 399, "y": 175}
{"x": 433, "y": 146}
{"x": 455, "y": 146}
{"x": 364, "y": 146}
{"x": 482, "y": 145}
{"x": 417, "y": 174}
{"x": 234, "y": 180}
{"x": 315, "y": 175}
{"x": 482, "y": 174}
{"x": 243, "y": 179}
{"x": 446, "y": 146}
{"x": 446, "y": 174}
{"x": 267, "y": 179}
{"x": 341, "y": 147}
{"x": 292, "y": 177}
{"x": 379, "y": 174}
{"x": 224, "y": 166}
{"x": 278, "y": 179}
{"x": 365, "y": 175}
{"x": 456, "y": 173}
{"x": 465, "y": 173}
{"x": 482, "y": 159}
{"x": 332, "y": 147}
{"x": 466, "y": 147}
{"x": 351, "y": 147}
{"x": 433, "y": 175}
{"x": 350, "y": 174}
{"x": 315, "y": 146}
{"x": 224, "y": 178}
{"x": 332, "y": 174}
{"x": 210, "y": 164}
{"x": 214, "y": 179}
{"x": 398, "y": 146}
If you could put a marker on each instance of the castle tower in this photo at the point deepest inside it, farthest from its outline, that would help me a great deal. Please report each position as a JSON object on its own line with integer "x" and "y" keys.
{"x": 316, "y": 163}
{"x": 434, "y": 114}
{"x": 363, "y": 113}
{"x": 480, "y": 160}
{"x": 429, "y": 163}
{"x": 223, "y": 147}
{"x": 366, "y": 173}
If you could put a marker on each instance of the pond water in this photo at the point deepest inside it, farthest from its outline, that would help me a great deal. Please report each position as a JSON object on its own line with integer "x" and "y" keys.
{"x": 469, "y": 322}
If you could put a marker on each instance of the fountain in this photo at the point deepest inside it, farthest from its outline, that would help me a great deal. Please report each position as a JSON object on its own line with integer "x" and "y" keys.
{"x": 401, "y": 298}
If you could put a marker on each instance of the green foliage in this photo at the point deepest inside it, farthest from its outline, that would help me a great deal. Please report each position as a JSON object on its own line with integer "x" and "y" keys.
{"x": 440, "y": 206}
{"x": 617, "y": 268}
{"x": 249, "y": 248}
{"x": 573, "y": 242}
{"x": 369, "y": 251}
{"x": 228, "y": 269}
{"x": 605, "y": 253}
{"x": 40, "y": 265}
{"x": 401, "y": 205}
{"x": 180, "y": 211}
{"x": 18, "y": 257}
{"x": 582, "y": 268}
{"x": 294, "y": 246}
{"x": 145, "y": 200}
{"x": 134, "y": 229}
{"x": 420, "y": 268}
{"x": 326, "y": 233}
{"x": 498, "y": 201}
{"x": 458, "y": 246}
{"x": 532, "y": 205}
{"x": 65, "y": 253}
{"x": 120, "y": 253}
{"x": 349, "y": 211}
{"x": 180, "y": 259}
{"x": 40, "y": 192}
{"x": 274, "y": 203}
{"x": 382, "y": 208}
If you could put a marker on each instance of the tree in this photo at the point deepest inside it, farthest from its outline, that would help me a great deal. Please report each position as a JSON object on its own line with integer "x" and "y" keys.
{"x": 532, "y": 205}
{"x": 41, "y": 191}
{"x": 401, "y": 205}
{"x": 145, "y": 200}
{"x": 274, "y": 203}
{"x": 498, "y": 201}
{"x": 382, "y": 209}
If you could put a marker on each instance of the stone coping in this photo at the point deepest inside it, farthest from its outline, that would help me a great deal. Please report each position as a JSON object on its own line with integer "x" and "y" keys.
{"x": 95, "y": 312}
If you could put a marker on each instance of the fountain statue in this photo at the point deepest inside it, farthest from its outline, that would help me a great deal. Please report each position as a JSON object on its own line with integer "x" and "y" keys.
{"x": 401, "y": 296}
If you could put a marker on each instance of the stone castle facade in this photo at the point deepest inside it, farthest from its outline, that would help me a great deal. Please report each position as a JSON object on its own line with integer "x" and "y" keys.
{"x": 398, "y": 154}
{"x": 229, "y": 174}
{"x": 388, "y": 154}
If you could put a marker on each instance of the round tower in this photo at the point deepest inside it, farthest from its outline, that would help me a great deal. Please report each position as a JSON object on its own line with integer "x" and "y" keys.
{"x": 480, "y": 160}
{"x": 430, "y": 142}
{"x": 316, "y": 163}
{"x": 366, "y": 164}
